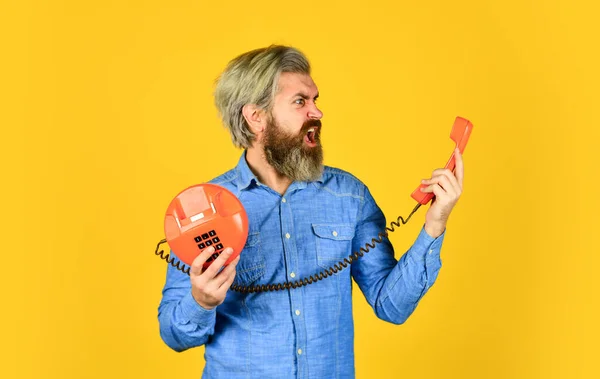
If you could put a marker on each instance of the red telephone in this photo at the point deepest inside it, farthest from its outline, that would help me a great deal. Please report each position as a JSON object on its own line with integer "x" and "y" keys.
{"x": 202, "y": 216}
{"x": 207, "y": 214}
{"x": 461, "y": 130}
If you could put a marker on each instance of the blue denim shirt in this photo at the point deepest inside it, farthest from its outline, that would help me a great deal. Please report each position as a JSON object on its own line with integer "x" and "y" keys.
{"x": 307, "y": 332}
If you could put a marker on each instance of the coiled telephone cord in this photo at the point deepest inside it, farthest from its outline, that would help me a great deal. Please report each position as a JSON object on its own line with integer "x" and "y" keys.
{"x": 305, "y": 281}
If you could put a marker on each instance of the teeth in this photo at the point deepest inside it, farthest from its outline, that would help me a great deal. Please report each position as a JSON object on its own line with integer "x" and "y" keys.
{"x": 311, "y": 130}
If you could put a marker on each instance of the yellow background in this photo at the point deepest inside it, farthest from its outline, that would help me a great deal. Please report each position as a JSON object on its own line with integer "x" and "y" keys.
{"x": 106, "y": 113}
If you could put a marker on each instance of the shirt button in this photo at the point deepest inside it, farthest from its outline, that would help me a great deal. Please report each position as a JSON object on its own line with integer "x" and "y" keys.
{"x": 430, "y": 251}
{"x": 283, "y": 200}
{"x": 299, "y": 351}
{"x": 293, "y": 275}
{"x": 334, "y": 233}
{"x": 287, "y": 235}
{"x": 297, "y": 312}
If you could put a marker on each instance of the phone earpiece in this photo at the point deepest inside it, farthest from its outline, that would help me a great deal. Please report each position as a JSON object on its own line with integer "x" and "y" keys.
{"x": 461, "y": 131}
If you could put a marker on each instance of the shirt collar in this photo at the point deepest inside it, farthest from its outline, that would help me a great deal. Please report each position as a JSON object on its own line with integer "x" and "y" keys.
{"x": 246, "y": 177}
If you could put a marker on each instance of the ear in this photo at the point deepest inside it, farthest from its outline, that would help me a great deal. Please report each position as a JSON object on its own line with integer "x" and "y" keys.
{"x": 255, "y": 117}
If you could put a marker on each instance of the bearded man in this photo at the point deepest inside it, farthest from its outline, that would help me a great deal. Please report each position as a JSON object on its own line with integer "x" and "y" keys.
{"x": 304, "y": 218}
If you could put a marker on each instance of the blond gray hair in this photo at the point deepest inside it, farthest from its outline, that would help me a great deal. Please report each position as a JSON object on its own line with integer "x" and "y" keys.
{"x": 252, "y": 78}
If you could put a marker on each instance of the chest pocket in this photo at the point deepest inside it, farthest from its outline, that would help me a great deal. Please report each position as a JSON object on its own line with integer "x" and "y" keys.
{"x": 333, "y": 242}
{"x": 251, "y": 266}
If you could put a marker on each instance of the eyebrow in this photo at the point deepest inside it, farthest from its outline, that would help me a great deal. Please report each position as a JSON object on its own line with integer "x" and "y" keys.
{"x": 305, "y": 96}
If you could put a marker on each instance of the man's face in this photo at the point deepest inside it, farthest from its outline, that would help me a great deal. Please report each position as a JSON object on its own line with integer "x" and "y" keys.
{"x": 291, "y": 140}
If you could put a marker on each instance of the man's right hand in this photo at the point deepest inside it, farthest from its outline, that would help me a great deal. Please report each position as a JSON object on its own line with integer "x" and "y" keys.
{"x": 210, "y": 287}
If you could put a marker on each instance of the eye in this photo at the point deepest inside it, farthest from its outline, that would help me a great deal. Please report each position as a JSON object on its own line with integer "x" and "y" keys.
{"x": 299, "y": 101}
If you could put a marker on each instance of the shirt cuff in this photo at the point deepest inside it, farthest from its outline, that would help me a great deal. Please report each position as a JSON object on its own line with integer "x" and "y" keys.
{"x": 426, "y": 248}
{"x": 194, "y": 312}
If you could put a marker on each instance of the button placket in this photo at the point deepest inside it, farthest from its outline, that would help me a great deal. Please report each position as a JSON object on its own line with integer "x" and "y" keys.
{"x": 292, "y": 261}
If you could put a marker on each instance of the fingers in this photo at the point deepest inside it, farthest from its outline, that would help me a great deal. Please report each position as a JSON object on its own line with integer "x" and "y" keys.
{"x": 454, "y": 183}
{"x": 438, "y": 191}
{"x": 448, "y": 174}
{"x": 446, "y": 184}
{"x": 227, "y": 273}
{"x": 435, "y": 188}
{"x": 196, "y": 268}
{"x": 210, "y": 287}
{"x": 214, "y": 268}
{"x": 222, "y": 291}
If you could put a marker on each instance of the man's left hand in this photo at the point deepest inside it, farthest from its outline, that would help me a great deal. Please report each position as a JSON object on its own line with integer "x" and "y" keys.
{"x": 447, "y": 187}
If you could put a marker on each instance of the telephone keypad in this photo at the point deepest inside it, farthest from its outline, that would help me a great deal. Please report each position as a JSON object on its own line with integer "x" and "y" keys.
{"x": 208, "y": 239}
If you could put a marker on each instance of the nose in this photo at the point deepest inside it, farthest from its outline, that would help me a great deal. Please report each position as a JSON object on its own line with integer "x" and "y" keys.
{"x": 314, "y": 112}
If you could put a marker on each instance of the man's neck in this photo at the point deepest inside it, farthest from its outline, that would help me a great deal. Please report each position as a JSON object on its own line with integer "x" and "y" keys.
{"x": 265, "y": 173}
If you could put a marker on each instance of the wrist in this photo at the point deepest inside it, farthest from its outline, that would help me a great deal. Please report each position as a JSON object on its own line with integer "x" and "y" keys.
{"x": 201, "y": 303}
{"x": 435, "y": 229}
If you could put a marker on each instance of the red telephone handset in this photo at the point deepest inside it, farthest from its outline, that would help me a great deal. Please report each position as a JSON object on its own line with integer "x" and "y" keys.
{"x": 461, "y": 130}
{"x": 202, "y": 216}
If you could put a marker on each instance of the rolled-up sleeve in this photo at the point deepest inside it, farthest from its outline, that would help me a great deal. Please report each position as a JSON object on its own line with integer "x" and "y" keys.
{"x": 393, "y": 287}
{"x": 183, "y": 322}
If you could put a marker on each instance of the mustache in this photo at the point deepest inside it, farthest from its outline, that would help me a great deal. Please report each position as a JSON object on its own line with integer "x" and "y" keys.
{"x": 309, "y": 124}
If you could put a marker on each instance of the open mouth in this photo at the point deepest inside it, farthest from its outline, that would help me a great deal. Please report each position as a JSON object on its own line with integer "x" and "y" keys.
{"x": 312, "y": 136}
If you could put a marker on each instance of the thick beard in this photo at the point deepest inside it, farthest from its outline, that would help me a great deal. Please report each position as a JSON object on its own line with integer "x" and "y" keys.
{"x": 288, "y": 155}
